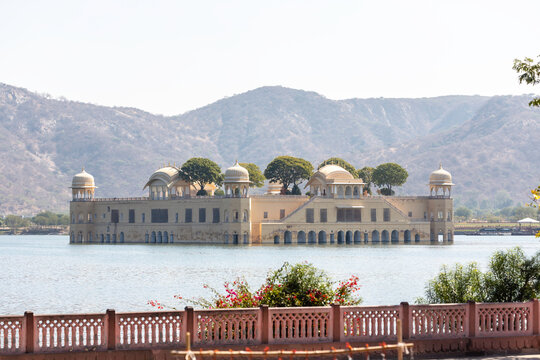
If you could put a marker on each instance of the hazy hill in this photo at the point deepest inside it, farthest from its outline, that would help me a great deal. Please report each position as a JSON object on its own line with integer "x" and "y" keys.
{"x": 487, "y": 143}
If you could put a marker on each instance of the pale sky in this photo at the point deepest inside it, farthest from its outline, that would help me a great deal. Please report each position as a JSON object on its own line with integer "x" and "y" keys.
{"x": 168, "y": 57}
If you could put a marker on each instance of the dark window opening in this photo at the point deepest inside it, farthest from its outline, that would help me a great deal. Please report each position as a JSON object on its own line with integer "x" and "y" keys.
{"x": 202, "y": 215}
{"x": 324, "y": 215}
{"x": 131, "y": 216}
{"x": 189, "y": 215}
{"x": 160, "y": 215}
{"x": 215, "y": 215}
{"x": 310, "y": 215}
{"x": 114, "y": 216}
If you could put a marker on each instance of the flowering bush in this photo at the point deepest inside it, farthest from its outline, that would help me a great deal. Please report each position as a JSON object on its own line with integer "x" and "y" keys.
{"x": 291, "y": 285}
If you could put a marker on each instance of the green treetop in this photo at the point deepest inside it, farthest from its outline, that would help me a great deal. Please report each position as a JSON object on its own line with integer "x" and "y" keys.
{"x": 366, "y": 174}
{"x": 340, "y": 162}
{"x": 201, "y": 171}
{"x": 288, "y": 170}
{"x": 255, "y": 175}
{"x": 387, "y": 175}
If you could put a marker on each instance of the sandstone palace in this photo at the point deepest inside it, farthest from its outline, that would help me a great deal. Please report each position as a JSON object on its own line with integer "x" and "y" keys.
{"x": 337, "y": 211}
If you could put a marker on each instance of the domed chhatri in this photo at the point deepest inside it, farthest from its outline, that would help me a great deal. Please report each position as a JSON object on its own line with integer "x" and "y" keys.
{"x": 83, "y": 186}
{"x": 165, "y": 183}
{"x": 335, "y": 181}
{"x": 236, "y": 173}
{"x": 440, "y": 179}
{"x": 236, "y": 181}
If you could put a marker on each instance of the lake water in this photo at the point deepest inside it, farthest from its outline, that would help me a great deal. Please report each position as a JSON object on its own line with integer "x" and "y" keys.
{"x": 46, "y": 275}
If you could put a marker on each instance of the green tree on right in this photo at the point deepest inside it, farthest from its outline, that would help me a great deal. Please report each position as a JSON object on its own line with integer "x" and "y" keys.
{"x": 529, "y": 73}
{"x": 366, "y": 174}
{"x": 387, "y": 175}
{"x": 511, "y": 277}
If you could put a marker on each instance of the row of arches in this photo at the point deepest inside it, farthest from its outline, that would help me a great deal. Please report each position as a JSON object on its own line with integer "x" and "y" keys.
{"x": 235, "y": 238}
{"x": 345, "y": 237}
{"x": 158, "y": 237}
{"x": 99, "y": 238}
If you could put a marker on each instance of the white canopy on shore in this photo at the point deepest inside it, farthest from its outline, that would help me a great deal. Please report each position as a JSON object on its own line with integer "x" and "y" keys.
{"x": 528, "y": 221}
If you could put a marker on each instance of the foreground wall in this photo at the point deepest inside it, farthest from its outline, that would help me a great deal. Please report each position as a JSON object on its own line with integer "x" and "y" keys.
{"x": 471, "y": 327}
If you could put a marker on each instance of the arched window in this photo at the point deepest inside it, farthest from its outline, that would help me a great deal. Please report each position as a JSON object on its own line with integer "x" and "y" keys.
{"x": 348, "y": 192}
{"x": 395, "y": 236}
{"x": 348, "y": 237}
{"x": 159, "y": 237}
{"x": 375, "y": 236}
{"x": 357, "y": 237}
{"x": 385, "y": 236}
{"x": 153, "y": 237}
{"x": 276, "y": 239}
{"x": 407, "y": 236}
{"x": 322, "y": 237}
{"x": 114, "y": 238}
{"x": 340, "y": 237}
{"x": 301, "y": 237}
{"x": 171, "y": 240}
{"x": 312, "y": 237}
{"x": 146, "y": 238}
{"x": 287, "y": 237}
{"x": 121, "y": 237}
{"x": 165, "y": 237}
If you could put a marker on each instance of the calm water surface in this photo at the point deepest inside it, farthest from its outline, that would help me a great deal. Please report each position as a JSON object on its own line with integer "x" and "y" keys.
{"x": 46, "y": 275}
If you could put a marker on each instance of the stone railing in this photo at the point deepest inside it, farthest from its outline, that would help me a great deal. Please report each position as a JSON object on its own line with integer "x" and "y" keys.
{"x": 452, "y": 324}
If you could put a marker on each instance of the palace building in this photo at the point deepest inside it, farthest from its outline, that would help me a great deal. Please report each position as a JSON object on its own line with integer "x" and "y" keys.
{"x": 337, "y": 211}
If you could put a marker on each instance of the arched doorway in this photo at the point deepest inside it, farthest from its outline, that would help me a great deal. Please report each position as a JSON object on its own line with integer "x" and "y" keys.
{"x": 235, "y": 238}
{"x": 417, "y": 237}
{"x": 348, "y": 237}
{"x": 153, "y": 237}
{"x": 366, "y": 237}
{"x": 357, "y": 237}
{"x": 172, "y": 238}
{"x": 340, "y": 237}
{"x": 159, "y": 237}
{"x": 165, "y": 237}
{"x": 375, "y": 236}
{"x": 407, "y": 236}
{"x": 312, "y": 237}
{"x": 146, "y": 238}
{"x": 301, "y": 237}
{"x": 287, "y": 237}
{"x": 395, "y": 236}
{"x": 122, "y": 237}
{"x": 246, "y": 241}
{"x": 276, "y": 239}
{"x": 385, "y": 236}
{"x": 322, "y": 237}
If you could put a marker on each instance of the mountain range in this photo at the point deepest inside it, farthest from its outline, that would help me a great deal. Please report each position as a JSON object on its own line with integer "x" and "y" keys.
{"x": 489, "y": 144}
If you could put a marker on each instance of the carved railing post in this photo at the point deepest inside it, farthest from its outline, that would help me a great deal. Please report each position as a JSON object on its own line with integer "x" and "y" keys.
{"x": 265, "y": 324}
{"x": 337, "y": 328}
{"x": 29, "y": 334}
{"x": 536, "y": 316}
{"x": 190, "y": 322}
{"x": 472, "y": 319}
{"x": 405, "y": 317}
{"x": 111, "y": 329}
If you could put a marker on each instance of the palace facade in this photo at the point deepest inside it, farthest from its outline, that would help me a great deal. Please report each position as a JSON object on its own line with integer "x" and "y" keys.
{"x": 337, "y": 211}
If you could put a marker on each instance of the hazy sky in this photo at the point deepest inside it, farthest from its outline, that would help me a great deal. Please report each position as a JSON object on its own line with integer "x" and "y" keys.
{"x": 169, "y": 57}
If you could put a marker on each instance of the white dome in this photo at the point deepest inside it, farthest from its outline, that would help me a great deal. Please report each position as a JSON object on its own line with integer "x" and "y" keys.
{"x": 83, "y": 180}
{"x": 440, "y": 177}
{"x": 236, "y": 173}
{"x": 335, "y": 172}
